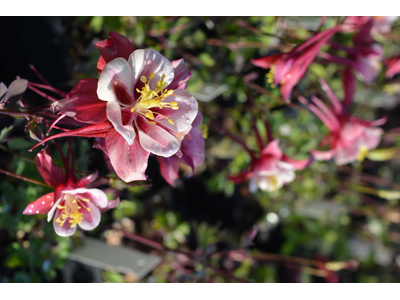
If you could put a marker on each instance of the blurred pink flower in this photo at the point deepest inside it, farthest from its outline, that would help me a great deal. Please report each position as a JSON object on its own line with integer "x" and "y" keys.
{"x": 349, "y": 138}
{"x": 393, "y": 66}
{"x": 191, "y": 153}
{"x": 381, "y": 24}
{"x": 288, "y": 68}
{"x": 72, "y": 203}
{"x": 139, "y": 105}
{"x": 364, "y": 58}
{"x": 272, "y": 170}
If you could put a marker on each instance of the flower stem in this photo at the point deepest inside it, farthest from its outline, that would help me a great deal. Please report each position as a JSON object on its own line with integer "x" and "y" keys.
{"x": 25, "y": 178}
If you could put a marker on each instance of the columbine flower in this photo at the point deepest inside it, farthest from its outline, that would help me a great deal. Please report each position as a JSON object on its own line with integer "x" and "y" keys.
{"x": 350, "y": 138}
{"x": 72, "y": 203}
{"x": 139, "y": 104}
{"x": 288, "y": 68}
{"x": 191, "y": 153}
{"x": 272, "y": 170}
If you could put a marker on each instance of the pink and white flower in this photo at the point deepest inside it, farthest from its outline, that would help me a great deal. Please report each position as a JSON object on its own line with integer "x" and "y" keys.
{"x": 72, "y": 203}
{"x": 272, "y": 170}
{"x": 139, "y": 105}
{"x": 350, "y": 138}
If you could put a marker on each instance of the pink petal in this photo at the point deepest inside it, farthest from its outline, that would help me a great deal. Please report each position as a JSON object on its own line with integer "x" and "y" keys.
{"x": 115, "y": 116}
{"x": 88, "y": 179}
{"x": 267, "y": 61}
{"x": 82, "y": 103}
{"x": 198, "y": 120}
{"x": 110, "y": 204}
{"x": 3, "y": 89}
{"x": 181, "y": 75}
{"x": 90, "y": 219}
{"x": 129, "y": 162}
{"x": 273, "y": 149}
{"x": 182, "y": 117}
{"x": 372, "y": 137}
{"x": 367, "y": 68}
{"x": 169, "y": 169}
{"x": 298, "y": 164}
{"x": 323, "y": 155}
{"x": 40, "y": 206}
{"x": 64, "y": 230}
{"x": 115, "y": 46}
{"x": 156, "y": 140}
{"x": 147, "y": 61}
{"x": 346, "y": 153}
{"x": 95, "y": 130}
{"x": 117, "y": 70}
{"x": 393, "y": 66}
{"x": 50, "y": 172}
{"x": 16, "y": 89}
{"x": 193, "y": 148}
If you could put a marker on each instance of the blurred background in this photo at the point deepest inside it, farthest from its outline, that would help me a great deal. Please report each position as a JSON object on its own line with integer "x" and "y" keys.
{"x": 332, "y": 224}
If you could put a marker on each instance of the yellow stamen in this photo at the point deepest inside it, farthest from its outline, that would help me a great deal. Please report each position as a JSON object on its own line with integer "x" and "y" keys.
{"x": 362, "y": 153}
{"x": 70, "y": 209}
{"x": 153, "y": 99}
{"x": 204, "y": 130}
{"x": 273, "y": 181}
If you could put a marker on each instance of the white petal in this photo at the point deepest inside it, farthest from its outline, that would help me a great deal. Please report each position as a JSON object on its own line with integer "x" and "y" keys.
{"x": 158, "y": 141}
{"x": 182, "y": 117}
{"x": 51, "y": 212}
{"x": 118, "y": 69}
{"x": 114, "y": 116}
{"x": 91, "y": 219}
{"x": 143, "y": 62}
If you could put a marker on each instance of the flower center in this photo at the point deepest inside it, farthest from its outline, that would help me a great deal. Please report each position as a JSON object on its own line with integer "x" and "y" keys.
{"x": 362, "y": 153}
{"x": 71, "y": 207}
{"x": 153, "y": 98}
{"x": 273, "y": 182}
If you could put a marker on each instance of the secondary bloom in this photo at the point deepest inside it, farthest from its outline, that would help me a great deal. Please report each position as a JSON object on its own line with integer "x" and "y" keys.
{"x": 364, "y": 58}
{"x": 191, "y": 153}
{"x": 381, "y": 24}
{"x": 72, "y": 203}
{"x": 288, "y": 68}
{"x": 272, "y": 170}
{"x": 350, "y": 138}
{"x": 139, "y": 105}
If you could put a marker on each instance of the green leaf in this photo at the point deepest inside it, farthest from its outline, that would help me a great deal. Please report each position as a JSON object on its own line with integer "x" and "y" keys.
{"x": 96, "y": 23}
{"x": 206, "y": 59}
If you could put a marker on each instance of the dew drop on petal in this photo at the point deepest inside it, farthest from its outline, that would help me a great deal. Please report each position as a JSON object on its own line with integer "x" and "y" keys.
{"x": 32, "y": 205}
{"x": 30, "y": 211}
{"x": 42, "y": 202}
{"x": 37, "y": 211}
